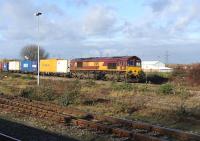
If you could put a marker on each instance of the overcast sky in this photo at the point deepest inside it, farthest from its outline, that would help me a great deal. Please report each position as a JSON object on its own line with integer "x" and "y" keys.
{"x": 85, "y": 28}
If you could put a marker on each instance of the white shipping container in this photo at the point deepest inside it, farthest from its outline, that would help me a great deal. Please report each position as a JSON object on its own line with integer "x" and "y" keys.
{"x": 63, "y": 66}
{"x": 14, "y": 66}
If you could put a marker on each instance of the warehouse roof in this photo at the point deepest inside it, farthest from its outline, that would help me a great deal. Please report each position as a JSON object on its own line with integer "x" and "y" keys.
{"x": 151, "y": 62}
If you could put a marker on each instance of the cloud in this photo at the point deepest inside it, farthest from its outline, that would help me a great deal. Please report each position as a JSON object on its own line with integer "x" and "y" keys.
{"x": 77, "y": 2}
{"x": 55, "y": 24}
{"x": 99, "y": 29}
{"x": 159, "y": 5}
{"x": 168, "y": 20}
{"x": 22, "y": 24}
{"x": 52, "y": 9}
{"x": 188, "y": 18}
{"x": 59, "y": 32}
{"x": 100, "y": 20}
{"x": 17, "y": 17}
{"x": 171, "y": 26}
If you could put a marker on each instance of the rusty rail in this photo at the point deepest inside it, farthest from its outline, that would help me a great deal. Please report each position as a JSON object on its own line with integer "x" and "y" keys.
{"x": 133, "y": 130}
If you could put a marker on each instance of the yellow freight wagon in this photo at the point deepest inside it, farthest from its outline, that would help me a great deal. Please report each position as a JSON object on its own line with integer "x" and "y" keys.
{"x": 48, "y": 66}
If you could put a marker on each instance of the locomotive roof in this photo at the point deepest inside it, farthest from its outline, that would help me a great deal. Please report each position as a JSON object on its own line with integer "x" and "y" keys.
{"x": 122, "y": 58}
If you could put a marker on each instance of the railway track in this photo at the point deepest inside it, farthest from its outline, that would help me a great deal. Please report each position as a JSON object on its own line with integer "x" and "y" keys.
{"x": 125, "y": 129}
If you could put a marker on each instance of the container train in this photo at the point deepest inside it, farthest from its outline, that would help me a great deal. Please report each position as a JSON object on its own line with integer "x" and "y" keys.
{"x": 104, "y": 68}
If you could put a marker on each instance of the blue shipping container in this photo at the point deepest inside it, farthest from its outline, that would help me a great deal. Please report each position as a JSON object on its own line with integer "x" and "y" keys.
{"x": 5, "y": 66}
{"x": 28, "y": 66}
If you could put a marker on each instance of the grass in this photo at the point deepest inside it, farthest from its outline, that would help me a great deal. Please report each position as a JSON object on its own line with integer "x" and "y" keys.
{"x": 166, "y": 89}
{"x": 125, "y": 100}
{"x": 40, "y": 93}
{"x": 71, "y": 94}
{"x": 122, "y": 87}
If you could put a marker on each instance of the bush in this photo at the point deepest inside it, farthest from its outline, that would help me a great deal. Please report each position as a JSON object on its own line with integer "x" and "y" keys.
{"x": 71, "y": 94}
{"x": 69, "y": 97}
{"x": 179, "y": 72}
{"x": 47, "y": 93}
{"x": 166, "y": 88}
{"x": 27, "y": 92}
{"x": 194, "y": 74}
{"x": 42, "y": 93}
{"x": 187, "y": 75}
{"x": 141, "y": 77}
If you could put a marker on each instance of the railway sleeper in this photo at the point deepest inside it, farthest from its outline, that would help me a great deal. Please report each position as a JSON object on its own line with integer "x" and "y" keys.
{"x": 121, "y": 133}
{"x": 55, "y": 108}
{"x": 33, "y": 112}
{"x": 60, "y": 119}
{"x": 116, "y": 131}
{"x": 38, "y": 106}
{"x": 182, "y": 136}
{"x": 6, "y": 107}
{"x": 125, "y": 123}
{"x": 91, "y": 125}
{"x": 160, "y": 131}
{"x": 144, "y": 137}
{"x": 41, "y": 115}
{"x": 32, "y": 107}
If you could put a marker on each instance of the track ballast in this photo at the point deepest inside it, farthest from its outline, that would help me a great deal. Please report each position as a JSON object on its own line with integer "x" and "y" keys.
{"x": 126, "y": 129}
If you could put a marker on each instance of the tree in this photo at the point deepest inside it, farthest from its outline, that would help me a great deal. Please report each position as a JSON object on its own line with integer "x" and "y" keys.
{"x": 30, "y": 52}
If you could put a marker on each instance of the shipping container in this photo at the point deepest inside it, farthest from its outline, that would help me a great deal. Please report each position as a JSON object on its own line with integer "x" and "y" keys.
{"x": 48, "y": 66}
{"x": 28, "y": 66}
{"x": 5, "y": 66}
{"x": 54, "y": 66}
{"x": 14, "y": 66}
{"x": 63, "y": 66}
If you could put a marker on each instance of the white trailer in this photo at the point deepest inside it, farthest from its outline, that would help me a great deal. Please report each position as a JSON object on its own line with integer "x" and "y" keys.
{"x": 14, "y": 66}
{"x": 63, "y": 66}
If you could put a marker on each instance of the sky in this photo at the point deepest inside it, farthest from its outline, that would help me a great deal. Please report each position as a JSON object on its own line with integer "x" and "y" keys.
{"x": 149, "y": 29}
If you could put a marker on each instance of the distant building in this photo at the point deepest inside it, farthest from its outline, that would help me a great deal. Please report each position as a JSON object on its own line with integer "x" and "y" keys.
{"x": 155, "y": 66}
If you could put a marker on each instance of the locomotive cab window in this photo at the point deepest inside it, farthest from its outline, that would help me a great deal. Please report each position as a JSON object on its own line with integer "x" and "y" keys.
{"x": 131, "y": 63}
{"x": 112, "y": 66}
{"x": 138, "y": 64}
{"x": 79, "y": 64}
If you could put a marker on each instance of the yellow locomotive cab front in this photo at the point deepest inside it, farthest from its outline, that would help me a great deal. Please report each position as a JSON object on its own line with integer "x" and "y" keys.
{"x": 134, "y": 70}
{"x": 133, "y": 67}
